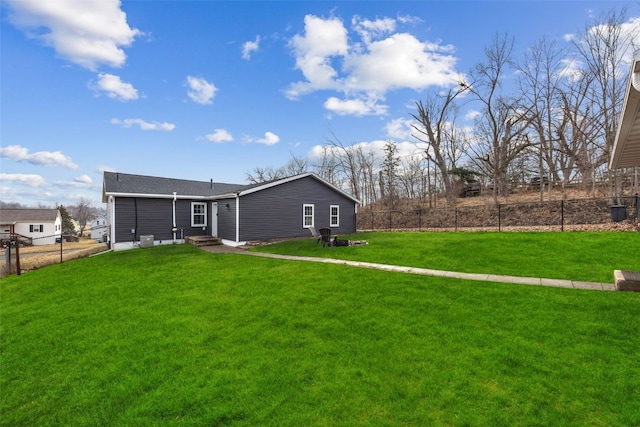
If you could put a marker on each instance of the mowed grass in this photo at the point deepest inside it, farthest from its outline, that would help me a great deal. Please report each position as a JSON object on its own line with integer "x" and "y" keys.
{"x": 579, "y": 256}
{"x": 177, "y": 336}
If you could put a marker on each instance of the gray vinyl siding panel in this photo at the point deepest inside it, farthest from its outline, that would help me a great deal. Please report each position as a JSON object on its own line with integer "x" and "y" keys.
{"x": 155, "y": 217}
{"x": 276, "y": 212}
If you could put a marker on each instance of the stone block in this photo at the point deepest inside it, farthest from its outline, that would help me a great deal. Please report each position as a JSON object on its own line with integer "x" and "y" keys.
{"x": 627, "y": 280}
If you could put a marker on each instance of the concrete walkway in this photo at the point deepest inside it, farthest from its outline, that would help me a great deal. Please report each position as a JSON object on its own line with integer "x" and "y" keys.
{"x": 424, "y": 271}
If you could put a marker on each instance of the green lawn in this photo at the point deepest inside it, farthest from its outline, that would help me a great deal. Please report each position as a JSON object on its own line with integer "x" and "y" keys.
{"x": 580, "y": 256}
{"x": 177, "y": 336}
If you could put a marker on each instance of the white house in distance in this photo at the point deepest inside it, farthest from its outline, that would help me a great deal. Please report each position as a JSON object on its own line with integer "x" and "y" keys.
{"x": 99, "y": 228}
{"x": 42, "y": 226}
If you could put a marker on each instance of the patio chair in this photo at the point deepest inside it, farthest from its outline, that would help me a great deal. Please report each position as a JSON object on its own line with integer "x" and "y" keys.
{"x": 325, "y": 234}
{"x": 315, "y": 234}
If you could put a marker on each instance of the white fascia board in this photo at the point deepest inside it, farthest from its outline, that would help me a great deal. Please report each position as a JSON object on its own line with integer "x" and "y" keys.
{"x": 223, "y": 196}
{"x": 157, "y": 196}
{"x": 170, "y": 196}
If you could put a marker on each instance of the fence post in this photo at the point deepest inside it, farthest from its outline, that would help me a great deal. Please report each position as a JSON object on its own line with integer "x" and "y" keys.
{"x": 8, "y": 257}
{"x": 390, "y": 225}
{"x": 420, "y": 219}
{"x": 561, "y": 215}
{"x": 17, "y": 239}
{"x": 372, "y": 223}
{"x": 60, "y": 248}
{"x": 499, "y": 217}
{"x": 455, "y": 220}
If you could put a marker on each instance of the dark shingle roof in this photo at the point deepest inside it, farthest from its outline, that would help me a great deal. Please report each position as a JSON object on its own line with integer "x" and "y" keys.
{"x": 9, "y": 216}
{"x": 116, "y": 182}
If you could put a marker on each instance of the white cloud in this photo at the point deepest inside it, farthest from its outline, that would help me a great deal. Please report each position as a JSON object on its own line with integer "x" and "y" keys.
{"x": 31, "y": 180}
{"x": 103, "y": 168}
{"x": 249, "y": 47}
{"x": 399, "y": 129}
{"x": 354, "y": 107}
{"x": 368, "y": 64}
{"x": 269, "y": 138}
{"x": 372, "y": 29}
{"x": 41, "y": 158}
{"x": 115, "y": 88}
{"x": 200, "y": 91}
{"x": 400, "y": 61}
{"x": 323, "y": 39}
{"x": 219, "y": 135}
{"x": 82, "y": 181}
{"x": 471, "y": 115}
{"x": 88, "y": 33}
{"x": 144, "y": 125}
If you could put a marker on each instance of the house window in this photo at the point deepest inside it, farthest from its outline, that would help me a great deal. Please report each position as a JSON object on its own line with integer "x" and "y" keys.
{"x": 307, "y": 216}
{"x": 198, "y": 214}
{"x": 36, "y": 228}
{"x": 334, "y": 216}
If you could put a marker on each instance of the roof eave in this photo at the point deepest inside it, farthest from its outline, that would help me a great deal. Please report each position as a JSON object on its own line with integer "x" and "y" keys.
{"x": 626, "y": 152}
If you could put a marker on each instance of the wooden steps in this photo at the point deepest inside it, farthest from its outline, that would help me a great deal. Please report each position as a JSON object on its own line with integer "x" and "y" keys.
{"x": 198, "y": 241}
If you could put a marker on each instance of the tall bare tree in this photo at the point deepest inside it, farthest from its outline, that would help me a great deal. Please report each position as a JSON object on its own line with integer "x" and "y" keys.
{"x": 540, "y": 75}
{"x": 602, "y": 49}
{"x": 436, "y": 128}
{"x": 500, "y": 129}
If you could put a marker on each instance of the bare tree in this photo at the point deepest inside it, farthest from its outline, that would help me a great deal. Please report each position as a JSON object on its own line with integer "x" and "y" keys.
{"x": 83, "y": 212}
{"x": 602, "y": 49}
{"x": 436, "y": 128}
{"x": 327, "y": 165}
{"x": 296, "y": 166}
{"x": 347, "y": 161}
{"x": 540, "y": 75}
{"x": 500, "y": 130}
{"x": 265, "y": 174}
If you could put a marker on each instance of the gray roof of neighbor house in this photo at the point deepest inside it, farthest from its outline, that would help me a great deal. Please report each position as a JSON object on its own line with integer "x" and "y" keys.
{"x": 127, "y": 184}
{"x": 626, "y": 149}
{"x": 9, "y": 216}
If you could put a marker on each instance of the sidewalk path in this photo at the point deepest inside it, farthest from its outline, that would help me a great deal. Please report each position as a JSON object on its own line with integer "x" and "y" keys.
{"x": 424, "y": 271}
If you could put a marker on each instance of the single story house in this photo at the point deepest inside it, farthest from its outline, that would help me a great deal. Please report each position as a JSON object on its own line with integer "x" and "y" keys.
{"x": 171, "y": 210}
{"x": 41, "y": 226}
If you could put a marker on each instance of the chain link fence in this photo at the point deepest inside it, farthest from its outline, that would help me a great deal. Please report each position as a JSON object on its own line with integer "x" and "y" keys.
{"x": 548, "y": 216}
{"x": 20, "y": 253}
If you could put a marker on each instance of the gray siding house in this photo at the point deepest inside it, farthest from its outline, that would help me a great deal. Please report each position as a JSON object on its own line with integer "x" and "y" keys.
{"x": 173, "y": 209}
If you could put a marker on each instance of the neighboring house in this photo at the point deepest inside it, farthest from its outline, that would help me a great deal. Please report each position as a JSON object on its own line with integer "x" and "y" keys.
{"x": 99, "y": 228}
{"x": 173, "y": 209}
{"x": 43, "y": 226}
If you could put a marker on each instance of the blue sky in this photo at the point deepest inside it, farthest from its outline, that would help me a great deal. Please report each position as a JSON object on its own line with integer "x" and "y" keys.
{"x": 211, "y": 90}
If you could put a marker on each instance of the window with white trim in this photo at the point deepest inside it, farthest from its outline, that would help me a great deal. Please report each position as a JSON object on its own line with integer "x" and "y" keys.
{"x": 36, "y": 228}
{"x": 334, "y": 216}
{"x": 307, "y": 216}
{"x": 198, "y": 214}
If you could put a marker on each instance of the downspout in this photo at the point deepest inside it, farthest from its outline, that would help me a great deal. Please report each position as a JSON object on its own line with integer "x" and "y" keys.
{"x": 237, "y": 217}
{"x": 174, "y": 228}
{"x": 112, "y": 221}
